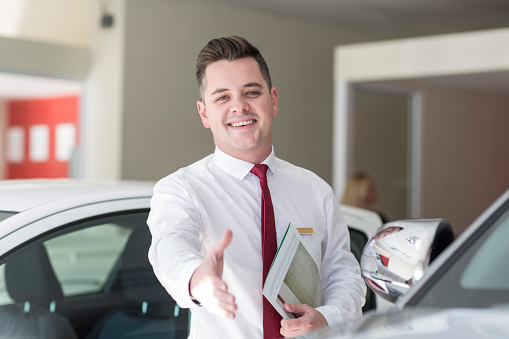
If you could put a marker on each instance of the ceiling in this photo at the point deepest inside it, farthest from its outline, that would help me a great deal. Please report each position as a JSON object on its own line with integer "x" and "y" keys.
{"x": 389, "y": 19}
{"x": 371, "y": 19}
{"x": 395, "y": 19}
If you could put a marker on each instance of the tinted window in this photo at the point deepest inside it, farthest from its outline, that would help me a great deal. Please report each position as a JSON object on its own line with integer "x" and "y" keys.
{"x": 95, "y": 276}
{"x": 83, "y": 255}
{"x": 83, "y": 259}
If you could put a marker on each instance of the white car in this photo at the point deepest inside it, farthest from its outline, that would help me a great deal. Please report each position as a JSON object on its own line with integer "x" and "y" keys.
{"x": 73, "y": 260}
{"x": 363, "y": 225}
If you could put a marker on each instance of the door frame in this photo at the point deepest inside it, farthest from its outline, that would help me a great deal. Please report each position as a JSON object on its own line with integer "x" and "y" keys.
{"x": 343, "y": 144}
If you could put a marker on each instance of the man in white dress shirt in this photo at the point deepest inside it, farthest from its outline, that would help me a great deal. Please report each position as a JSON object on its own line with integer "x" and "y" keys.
{"x": 205, "y": 218}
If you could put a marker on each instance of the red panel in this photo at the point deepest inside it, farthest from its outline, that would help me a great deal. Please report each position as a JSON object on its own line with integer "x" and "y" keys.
{"x": 50, "y": 112}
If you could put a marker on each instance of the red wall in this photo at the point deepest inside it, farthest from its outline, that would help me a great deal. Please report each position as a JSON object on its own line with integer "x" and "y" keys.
{"x": 49, "y": 112}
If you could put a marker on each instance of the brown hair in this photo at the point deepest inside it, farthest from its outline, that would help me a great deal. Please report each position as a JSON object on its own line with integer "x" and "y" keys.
{"x": 356, "y": 189}
{"x": 228, "y": 48}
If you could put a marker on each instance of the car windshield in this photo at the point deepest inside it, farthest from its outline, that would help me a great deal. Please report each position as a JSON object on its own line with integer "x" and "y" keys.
{"x": 4, "y": 215}
{"x": 476, "y": 276}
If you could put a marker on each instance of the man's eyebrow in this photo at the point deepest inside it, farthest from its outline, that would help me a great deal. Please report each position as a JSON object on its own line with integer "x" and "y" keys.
{"x": 250, "y": 84}
{"x": 219, "y": 90}
{"x": 253, "y": 84}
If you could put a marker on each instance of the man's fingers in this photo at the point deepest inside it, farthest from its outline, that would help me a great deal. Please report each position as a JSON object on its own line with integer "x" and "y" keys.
{"x": 309, "y": 319}
{"x": 293, "y": 328}
{"x": 225, "y": 300}
{"x": 229, "y": 308}
{"x": 221, "y": 303}
{"x": 221, "y": 312}
{"x": 295, "y": 324}
{"x": 206, "y": 283}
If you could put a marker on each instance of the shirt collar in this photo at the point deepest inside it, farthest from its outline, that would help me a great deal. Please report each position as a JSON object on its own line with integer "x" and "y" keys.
{"x": 240, "y": 168}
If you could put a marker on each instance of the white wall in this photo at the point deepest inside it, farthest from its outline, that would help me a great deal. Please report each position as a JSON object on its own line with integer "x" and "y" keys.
{"x": 470, "y": 52}
{"x": 101, "y": 151}
{"x": 53, "y": 21}
{"x": 464, "y": 136}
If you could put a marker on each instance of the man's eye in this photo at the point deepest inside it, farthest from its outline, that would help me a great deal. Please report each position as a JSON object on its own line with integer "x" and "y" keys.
{"x": 253, "y": 93}
{"x": 222, "y": 98}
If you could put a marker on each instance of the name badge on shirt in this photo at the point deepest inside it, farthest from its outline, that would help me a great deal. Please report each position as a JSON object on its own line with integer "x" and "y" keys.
{"x": 306, "y": 230}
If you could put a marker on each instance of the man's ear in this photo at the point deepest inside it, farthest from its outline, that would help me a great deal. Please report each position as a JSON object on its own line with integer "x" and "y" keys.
{"x": 203, "y": 113}
{"x": 275, "y": 100}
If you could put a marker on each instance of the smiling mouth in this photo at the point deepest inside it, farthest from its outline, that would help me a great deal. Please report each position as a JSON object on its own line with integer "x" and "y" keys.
{"x": 242, "y": 123}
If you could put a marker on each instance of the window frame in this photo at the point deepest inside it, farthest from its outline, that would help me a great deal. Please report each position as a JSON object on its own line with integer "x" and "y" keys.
{"x": 452, "y": 256}
{"x": 43, "y": 225}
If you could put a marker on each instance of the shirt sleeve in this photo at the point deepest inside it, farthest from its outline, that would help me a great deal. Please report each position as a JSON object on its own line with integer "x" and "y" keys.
{"x": 343, "y": 289}
{"x": 175, "y": 252}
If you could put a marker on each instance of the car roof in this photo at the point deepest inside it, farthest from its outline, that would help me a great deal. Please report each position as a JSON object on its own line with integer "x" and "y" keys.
{"x": 21, "y": 195}
{"x": 51, "y": 195}
{"x": 361, "y": 219}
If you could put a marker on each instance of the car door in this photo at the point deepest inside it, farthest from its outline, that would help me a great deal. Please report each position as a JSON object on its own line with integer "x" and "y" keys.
{"x": 87, "y": 276}
{"x": 362, "y": 225}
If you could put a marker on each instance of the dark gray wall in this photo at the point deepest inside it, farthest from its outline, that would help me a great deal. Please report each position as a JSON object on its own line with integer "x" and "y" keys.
{"x": 161, "y": 127}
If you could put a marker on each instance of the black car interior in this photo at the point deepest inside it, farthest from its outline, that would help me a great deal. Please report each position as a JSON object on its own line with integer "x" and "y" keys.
{"x": 32, "y": 284}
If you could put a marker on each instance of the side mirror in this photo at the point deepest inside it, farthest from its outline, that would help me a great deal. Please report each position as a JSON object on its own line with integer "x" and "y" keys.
{"x": 398, "y": 254}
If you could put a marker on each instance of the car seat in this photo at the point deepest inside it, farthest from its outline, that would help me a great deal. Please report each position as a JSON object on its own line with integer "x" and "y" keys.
{"x": 155, "y": 315}
{"x": 32, "y": 284}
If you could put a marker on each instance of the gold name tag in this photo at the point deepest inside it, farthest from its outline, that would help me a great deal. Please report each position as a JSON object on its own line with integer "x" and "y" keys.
{"x": 306, "y": 230}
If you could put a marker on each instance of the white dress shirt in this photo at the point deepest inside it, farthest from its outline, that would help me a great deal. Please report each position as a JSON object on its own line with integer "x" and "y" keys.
{"x": 191, "y": 209}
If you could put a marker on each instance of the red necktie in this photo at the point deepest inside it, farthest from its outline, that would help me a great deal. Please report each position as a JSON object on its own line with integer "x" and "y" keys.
{"x": 271, "y": 318}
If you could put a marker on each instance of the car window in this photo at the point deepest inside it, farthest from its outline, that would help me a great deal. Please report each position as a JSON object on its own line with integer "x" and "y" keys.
{"x": 83, "y": 259}
{"x": 83, "y": 256}
{"x": 95, "y": 275}
{"x": 476, "y": 277}
{"x": 487, "y": 268}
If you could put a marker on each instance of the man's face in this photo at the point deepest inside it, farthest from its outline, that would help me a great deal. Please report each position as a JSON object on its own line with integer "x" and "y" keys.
{"x": 239, "y": 109}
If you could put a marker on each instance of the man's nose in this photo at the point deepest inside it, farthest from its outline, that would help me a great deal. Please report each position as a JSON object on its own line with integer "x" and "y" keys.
{"x": 238, "y": 105}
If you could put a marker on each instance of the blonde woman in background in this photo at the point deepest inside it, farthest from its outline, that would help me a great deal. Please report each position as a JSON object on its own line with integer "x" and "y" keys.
{"x": 360, "y": 191}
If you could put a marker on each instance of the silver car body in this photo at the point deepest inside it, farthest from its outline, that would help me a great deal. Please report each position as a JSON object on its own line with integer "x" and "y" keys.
{"x": 436, "y": 307}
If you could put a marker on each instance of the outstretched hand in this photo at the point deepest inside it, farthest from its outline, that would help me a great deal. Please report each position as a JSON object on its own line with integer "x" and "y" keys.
{"x": 207, "y": 285}
{"x": 309, "y": 319}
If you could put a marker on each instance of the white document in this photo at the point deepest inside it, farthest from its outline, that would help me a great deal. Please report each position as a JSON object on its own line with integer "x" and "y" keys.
{"x": 294, "y": 276}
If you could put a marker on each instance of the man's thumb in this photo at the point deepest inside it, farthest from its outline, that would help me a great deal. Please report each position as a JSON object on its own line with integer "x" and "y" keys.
{"x": 222, "y": 243}
{"x": 295, "y": 308}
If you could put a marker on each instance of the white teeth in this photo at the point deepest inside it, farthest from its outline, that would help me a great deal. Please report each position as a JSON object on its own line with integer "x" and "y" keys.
{"x": 242, "y": 123}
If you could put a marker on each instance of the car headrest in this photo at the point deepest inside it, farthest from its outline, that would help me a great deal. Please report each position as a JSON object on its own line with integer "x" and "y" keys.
{"x": 29, "y": 276}
{"x": 137, "y": 277}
